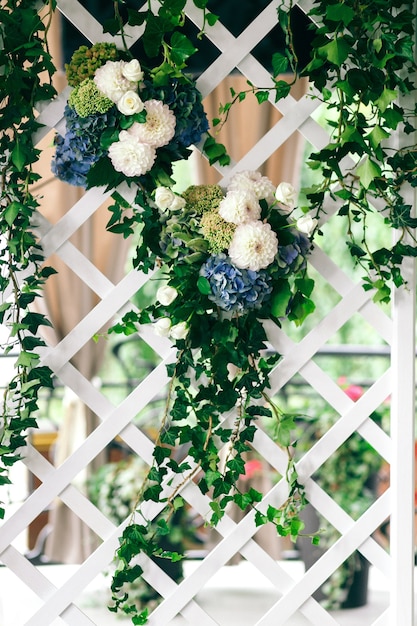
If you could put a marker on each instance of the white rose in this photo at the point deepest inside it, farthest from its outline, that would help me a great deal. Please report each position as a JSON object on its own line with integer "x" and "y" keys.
{"x": 165, "y": 198}
{"x": 130, "y": 103}
{"x": 178, "y": 203}
{"x": 179, "y": 331}
{"x": 306, "y": 224}
{"x": 166, "y": 294}
{"x": 133, "y": 71}
{"x": 286, "y": 194}
{"x": 162, "y": 326}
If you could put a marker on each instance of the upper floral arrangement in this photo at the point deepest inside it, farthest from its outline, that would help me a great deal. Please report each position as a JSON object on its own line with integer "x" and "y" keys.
{"x": 124, "y": 122}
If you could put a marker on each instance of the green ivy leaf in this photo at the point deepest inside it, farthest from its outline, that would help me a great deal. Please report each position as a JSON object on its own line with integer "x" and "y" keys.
{"x": 12, "y": 211}
{"x": 367, "y": 171}
{"x": 385, "y": 99}
{"x": 340, "y": 13}
{"x": 279, "y": 63}
{"x": 336, "y": 51}
{"x": 203, "y": 285}
{"x": 181, "y": 48}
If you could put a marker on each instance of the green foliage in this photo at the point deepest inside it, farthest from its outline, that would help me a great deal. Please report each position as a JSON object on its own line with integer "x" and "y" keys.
{"x": 362, "y": 66}
{"x": 24, "y": 60}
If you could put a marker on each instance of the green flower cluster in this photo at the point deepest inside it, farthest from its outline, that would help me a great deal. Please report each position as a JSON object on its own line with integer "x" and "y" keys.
{"x": 203, "y": 198}
{"x": 87, "y": 99}
{"x": 85, "y": 61}
{"x": 216, "y": 231}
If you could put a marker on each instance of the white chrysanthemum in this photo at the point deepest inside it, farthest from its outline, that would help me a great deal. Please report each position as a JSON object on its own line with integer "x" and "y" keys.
{"x": 110, "y": 80}
{"x": 130, "y": 156}
{"x": 239, "y": 207}
{"x": 254, "y": 246}
{"x": 261, "y": 186}
{"x": 159, "y": 128}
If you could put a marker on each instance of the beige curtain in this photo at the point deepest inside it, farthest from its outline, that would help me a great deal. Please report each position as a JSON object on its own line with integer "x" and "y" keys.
{"x": 247, "y": 123}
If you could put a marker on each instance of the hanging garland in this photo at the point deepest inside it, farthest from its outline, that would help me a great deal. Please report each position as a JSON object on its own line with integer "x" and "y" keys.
{"x": 24, "y": 58}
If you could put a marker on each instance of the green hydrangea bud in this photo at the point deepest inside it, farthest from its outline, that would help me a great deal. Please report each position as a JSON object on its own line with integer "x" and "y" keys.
{"x": 87, "y": 99}
{"x": 201, "y": 198}
{"x": 85, "y": 61}
{"x": 217, "y": 232}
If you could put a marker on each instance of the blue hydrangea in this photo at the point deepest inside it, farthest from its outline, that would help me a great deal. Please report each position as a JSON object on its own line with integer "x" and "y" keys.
{"x": 292, "y": 257}
{"x": 80, "y": 148}
{"x": 234, "y": 289}
{"x": 185, "y": 102}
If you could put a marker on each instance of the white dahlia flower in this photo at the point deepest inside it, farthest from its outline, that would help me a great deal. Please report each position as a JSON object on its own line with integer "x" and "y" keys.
{"x": 254, "y": 246}
{"x": 240, "y": 206}
{"x": 130, "y": 156}
{"x": 110, "y": 80}
{"x": 159, "y": 128}
{"x": 261, "y": 186}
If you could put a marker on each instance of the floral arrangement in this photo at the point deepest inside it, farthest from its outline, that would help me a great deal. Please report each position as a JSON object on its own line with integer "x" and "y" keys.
{"x": 125, "y": 122}
{"x": 228, "y": 258}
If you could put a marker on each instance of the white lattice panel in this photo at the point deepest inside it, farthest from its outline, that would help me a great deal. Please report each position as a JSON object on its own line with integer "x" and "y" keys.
{"x": 298, "y": 357}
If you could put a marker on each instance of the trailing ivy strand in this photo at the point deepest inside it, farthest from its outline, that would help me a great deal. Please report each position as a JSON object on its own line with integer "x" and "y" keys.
{"x": 362, "y": 69}
{"x": 26, "y": 69}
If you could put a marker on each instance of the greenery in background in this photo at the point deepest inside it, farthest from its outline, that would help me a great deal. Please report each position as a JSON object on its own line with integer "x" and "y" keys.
{"x": 26, "y": 70}
{"x": 349, "y": 475}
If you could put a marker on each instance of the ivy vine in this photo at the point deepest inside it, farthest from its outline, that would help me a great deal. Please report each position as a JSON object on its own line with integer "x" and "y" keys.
{"x": 26, "y": 69}
{"x": 362, "y": 69}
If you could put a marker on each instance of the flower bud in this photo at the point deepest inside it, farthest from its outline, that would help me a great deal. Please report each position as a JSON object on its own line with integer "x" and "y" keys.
{"x": 166, "y": 294}
{"x": 306, "y": 224}
{"x": 286, "y": 194}
{"x": 162, "y": 326}
{"x": 130, "y": 103}
{"x": 179, "y": 331}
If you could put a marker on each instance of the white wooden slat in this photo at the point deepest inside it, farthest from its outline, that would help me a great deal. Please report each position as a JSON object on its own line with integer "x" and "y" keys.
{"x": 96, "y": 441}
{"x": 334, "y": 275}
{"x": 327, "y": 507}
{"x": 403, "y": 437}
{"x": 40, "y": 584}
{"x": 319, "y": 572}
{"x": 296, "y": 357}
{"x": 96, "y": 319}
{"x": 89, "y": 26}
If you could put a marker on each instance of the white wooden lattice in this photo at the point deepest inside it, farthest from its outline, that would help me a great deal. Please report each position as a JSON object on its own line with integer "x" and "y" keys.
{"x": 398, "y": 380}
